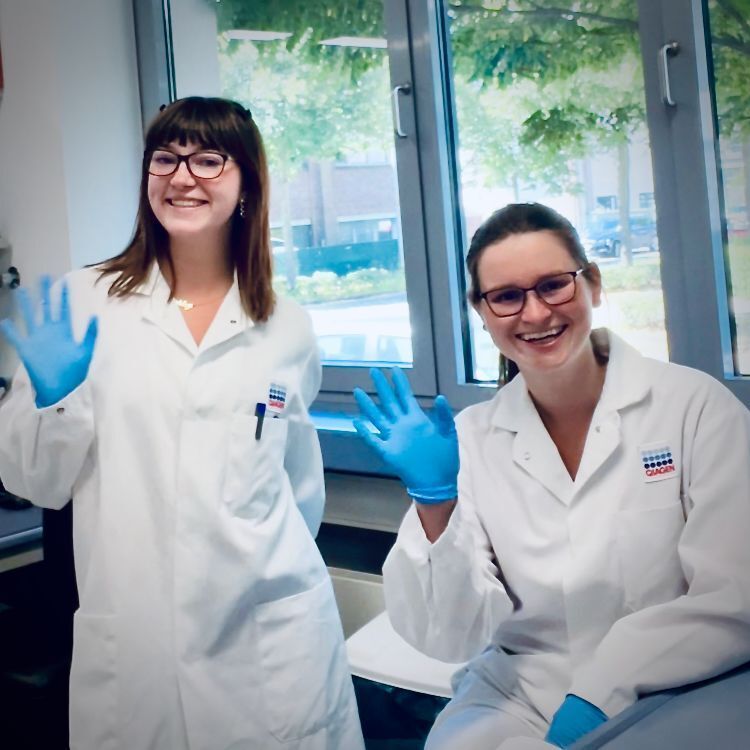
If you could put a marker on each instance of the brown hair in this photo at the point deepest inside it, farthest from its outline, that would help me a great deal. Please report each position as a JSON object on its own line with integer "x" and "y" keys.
{"x": 228, "y": 127}
{"x": 520, "y": 218}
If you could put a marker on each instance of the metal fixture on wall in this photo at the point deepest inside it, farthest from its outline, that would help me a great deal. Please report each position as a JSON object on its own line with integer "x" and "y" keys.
{"x": 10, "y": 279}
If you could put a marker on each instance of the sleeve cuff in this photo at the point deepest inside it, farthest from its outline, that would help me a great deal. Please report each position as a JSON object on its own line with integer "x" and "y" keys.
{"x": 77, "y": 403}
{"x": 414, "y": 542}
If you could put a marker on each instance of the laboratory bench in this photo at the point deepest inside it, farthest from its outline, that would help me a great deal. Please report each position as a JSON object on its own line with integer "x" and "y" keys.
{"x": 20, "y": 534}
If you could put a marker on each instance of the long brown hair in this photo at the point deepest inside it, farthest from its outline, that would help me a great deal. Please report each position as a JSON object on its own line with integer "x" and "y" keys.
{"x": 226, "y": 126}
{"x": 520, "y": 218}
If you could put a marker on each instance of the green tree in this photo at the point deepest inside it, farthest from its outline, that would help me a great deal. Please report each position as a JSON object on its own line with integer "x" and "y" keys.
{"x": 310, "y": 114}
{"x": 495, "y": 45}
{"x": 530, "y": 75}
{"x": 310, "y": 23}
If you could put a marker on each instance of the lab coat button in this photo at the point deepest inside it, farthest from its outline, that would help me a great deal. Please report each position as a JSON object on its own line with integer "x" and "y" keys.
{"x": 526, "y": 456}
{"x": 598, "y": 428}
{"x": 60, "y": 410}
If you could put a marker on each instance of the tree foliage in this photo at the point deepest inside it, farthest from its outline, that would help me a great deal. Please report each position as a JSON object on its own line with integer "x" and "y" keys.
{"x": 582, "y": 60}
{"x": 579, "y": 63}
{"x": 310, "y": 23}
{"x": 500, "y": 41}
{"x": 730, "y": 42}
{"x": 304, "y": 110}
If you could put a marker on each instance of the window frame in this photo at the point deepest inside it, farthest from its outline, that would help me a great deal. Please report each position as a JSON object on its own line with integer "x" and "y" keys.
{"x": 688, "y": 200}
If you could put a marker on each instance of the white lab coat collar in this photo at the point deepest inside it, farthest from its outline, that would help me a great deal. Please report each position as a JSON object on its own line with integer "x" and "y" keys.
{"x": 625, "y": 383}
{"x": 231, "y": 318}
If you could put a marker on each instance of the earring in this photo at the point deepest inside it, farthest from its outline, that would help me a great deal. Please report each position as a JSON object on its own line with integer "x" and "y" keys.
{"x": 242, "y": 207}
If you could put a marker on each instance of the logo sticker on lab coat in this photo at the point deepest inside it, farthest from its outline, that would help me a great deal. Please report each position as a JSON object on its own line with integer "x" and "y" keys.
{"x": 657, "y": 462}
{"x": 276, "y": 398}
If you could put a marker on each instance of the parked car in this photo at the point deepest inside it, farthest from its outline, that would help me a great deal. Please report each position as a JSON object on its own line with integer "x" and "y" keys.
{"x": 363, "y": 333}
{"x": 365, "y": 347}
{"x": 603, "y": 235}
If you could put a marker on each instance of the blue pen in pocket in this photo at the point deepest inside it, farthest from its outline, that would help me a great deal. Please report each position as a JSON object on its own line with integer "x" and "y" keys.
{"x": 260, "y": 413}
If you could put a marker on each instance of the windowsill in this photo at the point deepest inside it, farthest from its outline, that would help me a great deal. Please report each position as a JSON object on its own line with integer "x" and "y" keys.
{"x": 338, "y": 422}
{"x": 342, "y": 448}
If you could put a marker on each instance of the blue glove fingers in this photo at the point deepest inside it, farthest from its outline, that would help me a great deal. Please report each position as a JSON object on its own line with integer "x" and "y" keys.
{"x": 575, "y": 718}
{"x": 374, "y": 442}
{"x": 370, "y": 410}
{"x": 45, "y": 284}
{"x": 443, "y": 416}
{"x": 404, "y": 394}
{"x": 9, "y": 330}
{"x": 27, "y": 310}
{"x": 89, "y": 338}
{"x": 63, "y": 315}
{"x": 388, "y": 404}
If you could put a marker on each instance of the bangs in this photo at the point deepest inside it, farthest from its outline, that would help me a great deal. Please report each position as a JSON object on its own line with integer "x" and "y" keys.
{"x": 209, "y": 123}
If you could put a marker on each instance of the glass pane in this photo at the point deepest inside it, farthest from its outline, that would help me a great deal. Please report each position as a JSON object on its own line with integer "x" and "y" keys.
{"x": 550, "y": 104}
{"x": 318, "y": 87}
{"x": 730, "y": 44}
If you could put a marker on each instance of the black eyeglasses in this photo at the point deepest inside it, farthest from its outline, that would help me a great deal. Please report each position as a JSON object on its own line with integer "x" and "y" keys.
{"x": 553, "y": 290}
{"x": 205, "y": 165}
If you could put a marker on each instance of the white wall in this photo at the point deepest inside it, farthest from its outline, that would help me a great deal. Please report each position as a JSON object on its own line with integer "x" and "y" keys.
{"x": 70, "y": 136}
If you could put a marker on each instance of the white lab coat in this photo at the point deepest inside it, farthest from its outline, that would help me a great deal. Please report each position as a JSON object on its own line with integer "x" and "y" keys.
{"x": 626, "y": 580}
{"x": 207, "y": 619}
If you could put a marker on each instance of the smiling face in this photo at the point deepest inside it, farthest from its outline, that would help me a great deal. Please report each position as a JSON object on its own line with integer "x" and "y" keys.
{"x": 188, "y": 207}
{"x": 541, "y": 337}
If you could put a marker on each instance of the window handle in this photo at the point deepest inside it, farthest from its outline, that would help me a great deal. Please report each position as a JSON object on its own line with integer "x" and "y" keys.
{"x": 404, "y": 88}
{"x": 670, "y": 48}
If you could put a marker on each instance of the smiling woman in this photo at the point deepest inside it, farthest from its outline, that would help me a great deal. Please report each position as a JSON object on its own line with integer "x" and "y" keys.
{"x": 179, "y": 424}
{"x": 193, "y": 194}
{"x": 529, "y": 243}
{"x": 570, "y": 537}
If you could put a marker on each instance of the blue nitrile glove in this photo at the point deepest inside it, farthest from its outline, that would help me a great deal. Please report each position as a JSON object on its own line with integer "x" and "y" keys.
{"x": 56, "y": 364}
{"x": 423, "y": 452}
{"x": 572, "y": 720}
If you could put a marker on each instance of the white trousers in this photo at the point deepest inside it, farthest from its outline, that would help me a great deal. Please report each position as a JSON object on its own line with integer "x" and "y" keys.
{"x": 483, "y": 714}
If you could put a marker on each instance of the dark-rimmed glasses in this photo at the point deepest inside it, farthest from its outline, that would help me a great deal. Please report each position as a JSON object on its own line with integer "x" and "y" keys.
{"x": 553, "y": 290}
{"x": 204, "y": 165}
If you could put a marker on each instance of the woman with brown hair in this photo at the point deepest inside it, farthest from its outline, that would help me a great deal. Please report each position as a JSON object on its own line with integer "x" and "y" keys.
{"x": 179, "y": 425}
{"x": 581, "y": 538}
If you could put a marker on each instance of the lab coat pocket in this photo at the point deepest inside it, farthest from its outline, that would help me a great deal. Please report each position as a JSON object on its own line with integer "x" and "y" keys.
{"x": 305, "y": 678}
{"x": 647, "y": 544}
{"x": 255, "y": 465}
{"x": 93, "y": 683}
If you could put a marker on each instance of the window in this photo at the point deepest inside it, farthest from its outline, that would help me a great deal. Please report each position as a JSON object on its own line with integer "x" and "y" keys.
{"x": 606, "y": 202}
{"x": 366, "y": 230}
{"x": 301, "y": 232}
{"x": 530, "y": 132}
{"x": 386, "y": 154}
{"x": 731, "y": 63}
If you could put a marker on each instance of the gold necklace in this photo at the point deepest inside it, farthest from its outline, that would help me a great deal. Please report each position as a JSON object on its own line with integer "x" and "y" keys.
{"x": 187, "y": 305}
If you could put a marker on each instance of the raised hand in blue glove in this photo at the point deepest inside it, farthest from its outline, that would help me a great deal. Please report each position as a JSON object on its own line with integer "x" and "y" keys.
{"x": 56, "y": 364}
{"x": 572, "y": 720}
{"x": 423, "y": 452}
